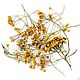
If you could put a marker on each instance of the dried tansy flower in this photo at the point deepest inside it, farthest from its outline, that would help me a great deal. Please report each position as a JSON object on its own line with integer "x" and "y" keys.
{"x": 10, "y": 21}
{"x": 37, "y": 44}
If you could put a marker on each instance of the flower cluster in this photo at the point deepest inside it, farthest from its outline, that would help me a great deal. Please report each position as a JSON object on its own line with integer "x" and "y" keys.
{"x": 10, "y": 21}
{"x": 37, "y": 44}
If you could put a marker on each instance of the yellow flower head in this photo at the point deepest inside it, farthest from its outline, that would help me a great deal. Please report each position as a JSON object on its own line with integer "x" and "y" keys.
{"x": 10, "y": 21}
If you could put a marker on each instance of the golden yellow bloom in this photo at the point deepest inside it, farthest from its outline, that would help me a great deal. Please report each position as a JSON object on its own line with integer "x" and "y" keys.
{"x": 28, "y": 60}
{"x": 10, "y": 21}
{"x": 34, "y": 62}
{"x": 33, "y": 67}
{"x": 41, "y": 15}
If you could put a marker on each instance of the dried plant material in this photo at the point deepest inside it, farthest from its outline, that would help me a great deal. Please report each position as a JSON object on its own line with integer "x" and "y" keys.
{"x": 37, "y": 44}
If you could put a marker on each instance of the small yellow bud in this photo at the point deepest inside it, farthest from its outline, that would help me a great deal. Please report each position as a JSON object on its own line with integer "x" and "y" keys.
{"x": 44, "y": 70}
{"x": 7, "y": 45}
{"x": 67, "y": 25}
{"x": 50, "y": 8}
{"x": 12, "y": 39}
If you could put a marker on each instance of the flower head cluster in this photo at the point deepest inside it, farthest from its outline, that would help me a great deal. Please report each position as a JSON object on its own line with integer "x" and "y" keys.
{"x": 10, "y": 21}
{"x": 37, "y": 44}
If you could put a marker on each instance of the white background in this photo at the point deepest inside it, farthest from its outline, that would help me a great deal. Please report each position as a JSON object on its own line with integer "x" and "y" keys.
{"x": 10, "y": 69}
